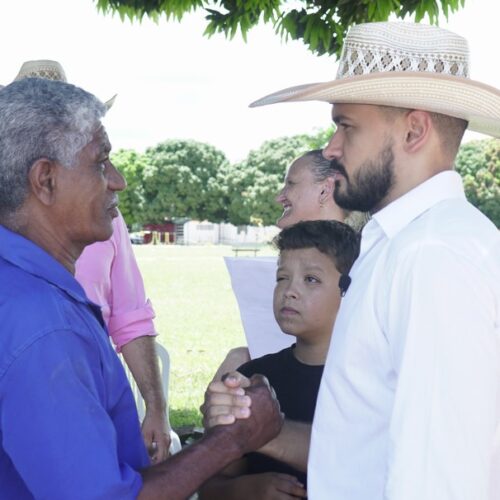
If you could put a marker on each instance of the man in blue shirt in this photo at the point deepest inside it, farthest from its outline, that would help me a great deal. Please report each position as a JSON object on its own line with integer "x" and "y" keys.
{"x": 68, "y": 423}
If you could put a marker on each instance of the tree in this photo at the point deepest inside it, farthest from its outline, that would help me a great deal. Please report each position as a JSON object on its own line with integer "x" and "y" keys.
{"x": 320, "y": 24}
{"x": 131, "y": 165}
{"x": 478, "y": 162}
{"x": 182, "y": 178}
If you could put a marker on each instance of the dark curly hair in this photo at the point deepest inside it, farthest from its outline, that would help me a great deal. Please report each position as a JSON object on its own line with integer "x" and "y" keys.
{"x": 336, "y": 240}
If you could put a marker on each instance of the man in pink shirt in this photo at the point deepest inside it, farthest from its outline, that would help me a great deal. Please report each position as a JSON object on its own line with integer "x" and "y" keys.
{"x": 110, "y": 276}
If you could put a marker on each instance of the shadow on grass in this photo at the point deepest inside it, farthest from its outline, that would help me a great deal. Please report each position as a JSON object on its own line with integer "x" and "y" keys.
{"x": 186, "y": 422}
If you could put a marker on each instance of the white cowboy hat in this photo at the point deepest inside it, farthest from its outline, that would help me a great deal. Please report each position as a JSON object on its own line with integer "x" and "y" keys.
{"x": 408, "y": 66}
{"x": 48, "y": 70}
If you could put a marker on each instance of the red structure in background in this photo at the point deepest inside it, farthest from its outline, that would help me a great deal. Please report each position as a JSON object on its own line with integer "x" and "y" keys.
{"x": 166, "y": 232}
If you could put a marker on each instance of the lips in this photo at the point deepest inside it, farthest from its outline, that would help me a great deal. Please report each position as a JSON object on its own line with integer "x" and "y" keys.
{"x": 338, "y": 168}
{"x": 113, "y": 208}
{"x": 288, "y": 311}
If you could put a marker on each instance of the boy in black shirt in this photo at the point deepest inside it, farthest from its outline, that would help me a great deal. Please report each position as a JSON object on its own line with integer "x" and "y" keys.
{"x": 313, "y": 267}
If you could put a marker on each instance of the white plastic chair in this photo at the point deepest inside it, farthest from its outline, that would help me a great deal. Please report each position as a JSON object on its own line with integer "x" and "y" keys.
{"x": 164, "y": 362}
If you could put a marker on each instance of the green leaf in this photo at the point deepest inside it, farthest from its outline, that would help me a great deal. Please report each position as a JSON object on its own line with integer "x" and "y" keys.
{"x": 321, "y": 24}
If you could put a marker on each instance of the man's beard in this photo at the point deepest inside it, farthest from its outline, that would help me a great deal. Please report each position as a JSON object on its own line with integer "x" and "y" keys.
{"x": 369, "y": 185}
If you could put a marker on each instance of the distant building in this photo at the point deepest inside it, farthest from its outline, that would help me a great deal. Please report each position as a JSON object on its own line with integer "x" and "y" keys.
{"x": 199, "y": 232}
{"x": 193, "y": 232}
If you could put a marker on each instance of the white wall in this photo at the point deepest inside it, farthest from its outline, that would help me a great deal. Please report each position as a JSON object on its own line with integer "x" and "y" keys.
{"x": 196, "y": 232}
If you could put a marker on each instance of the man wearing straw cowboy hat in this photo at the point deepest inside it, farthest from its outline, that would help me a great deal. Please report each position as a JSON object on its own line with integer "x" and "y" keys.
{"x": 68, "y": 422}
{"x": 409, "y": 405}
{"x": 109, "y": 274}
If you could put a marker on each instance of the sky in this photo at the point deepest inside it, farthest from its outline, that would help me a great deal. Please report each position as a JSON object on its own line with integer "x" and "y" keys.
{"x": 174, "y": 83}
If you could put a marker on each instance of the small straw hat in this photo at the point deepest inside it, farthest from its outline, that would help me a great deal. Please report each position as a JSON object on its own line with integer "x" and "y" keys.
{"x": 405, "y": 65}
{"x": 48, "y": 70}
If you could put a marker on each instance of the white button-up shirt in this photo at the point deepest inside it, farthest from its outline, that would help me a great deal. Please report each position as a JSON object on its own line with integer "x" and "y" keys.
{"x": 409, "y": 404}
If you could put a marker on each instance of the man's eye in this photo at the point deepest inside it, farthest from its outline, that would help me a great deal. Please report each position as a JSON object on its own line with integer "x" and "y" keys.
{"x": 279, "y": 278}
{"x": 311, "y": 279}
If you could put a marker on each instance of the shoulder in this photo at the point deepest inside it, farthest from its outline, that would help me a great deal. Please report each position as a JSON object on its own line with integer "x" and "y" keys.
{"x": 450, "y": 249}
{"x": 264, "y": 364}
{"x": 454, "y": 223}
{"x": 30, "y": 309}
{"x": 453, "y": 233}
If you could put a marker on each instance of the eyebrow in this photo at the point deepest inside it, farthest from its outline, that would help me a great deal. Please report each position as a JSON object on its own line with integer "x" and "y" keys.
{"x": 104, "y": 148}
{"x": 338, "y": 118}
{"x": 313, "y": 267}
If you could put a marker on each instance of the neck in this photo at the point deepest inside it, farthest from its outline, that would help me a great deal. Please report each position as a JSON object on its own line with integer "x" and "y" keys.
{"x": 411, "y": 170}
{"x": 312, "y": 353}
{"x": 43, "y": 234}
{"x": 334, "y": 212}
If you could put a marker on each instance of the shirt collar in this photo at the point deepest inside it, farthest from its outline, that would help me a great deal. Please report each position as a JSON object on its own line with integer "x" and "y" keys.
{"x": 399, "y": 213}
{"x": 28, "y": 256}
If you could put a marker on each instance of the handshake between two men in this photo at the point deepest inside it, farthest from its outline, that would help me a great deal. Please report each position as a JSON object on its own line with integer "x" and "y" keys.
{"x": 277, "y": 470}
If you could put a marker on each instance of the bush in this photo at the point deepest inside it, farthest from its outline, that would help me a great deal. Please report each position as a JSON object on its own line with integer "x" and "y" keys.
{"x": 478, "y": 162}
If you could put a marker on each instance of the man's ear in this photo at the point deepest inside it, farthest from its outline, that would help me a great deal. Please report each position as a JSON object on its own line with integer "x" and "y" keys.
{"x": 418, "y": 127}
{"x": 326, "y": 192}
{"x": 42, "y": 178}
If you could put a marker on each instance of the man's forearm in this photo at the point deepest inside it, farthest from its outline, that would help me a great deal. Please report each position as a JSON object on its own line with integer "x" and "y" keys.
{"x": 140, "y": 356}
{"x": 291, "y": 445}
{"x": 183, "y": 473}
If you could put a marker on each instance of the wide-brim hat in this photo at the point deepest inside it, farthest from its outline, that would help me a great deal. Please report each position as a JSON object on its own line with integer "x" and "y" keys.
{"x": 48, "y": 70}
{"x": 405, "y": 65}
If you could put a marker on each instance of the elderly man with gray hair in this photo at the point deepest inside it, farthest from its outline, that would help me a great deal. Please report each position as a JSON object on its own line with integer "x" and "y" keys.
{"x": 68, "y": 423}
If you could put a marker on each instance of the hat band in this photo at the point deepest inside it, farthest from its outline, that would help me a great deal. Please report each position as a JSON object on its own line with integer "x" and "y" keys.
{"x": 359, "y": 60}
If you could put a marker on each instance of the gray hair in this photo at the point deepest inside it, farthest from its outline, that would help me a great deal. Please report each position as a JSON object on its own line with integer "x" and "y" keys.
{"x": 41, "y": 119}
{"x": 320, "y": 166}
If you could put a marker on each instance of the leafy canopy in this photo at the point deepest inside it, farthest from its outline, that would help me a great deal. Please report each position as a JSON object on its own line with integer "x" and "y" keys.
{"x": 182, "y": 178}
{"x": 179, "y": 179}
{"x": 320, "y": 24}
{"x": 190, "y": 179}
{"x": 478, "y": 162}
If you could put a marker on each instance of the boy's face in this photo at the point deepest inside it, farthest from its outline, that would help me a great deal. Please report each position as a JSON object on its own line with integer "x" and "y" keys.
{"x": 307, "y": 295}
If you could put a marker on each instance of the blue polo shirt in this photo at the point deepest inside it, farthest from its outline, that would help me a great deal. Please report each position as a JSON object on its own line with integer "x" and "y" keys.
{"x": 68, "y": 423}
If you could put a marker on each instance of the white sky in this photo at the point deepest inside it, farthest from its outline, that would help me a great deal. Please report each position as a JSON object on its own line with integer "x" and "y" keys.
{"x": 174, "y": 83}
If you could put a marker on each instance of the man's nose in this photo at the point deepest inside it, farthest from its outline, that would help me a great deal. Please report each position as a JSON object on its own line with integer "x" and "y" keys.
{"x": 333, "y": 150}
{"x": 116, "y": 181}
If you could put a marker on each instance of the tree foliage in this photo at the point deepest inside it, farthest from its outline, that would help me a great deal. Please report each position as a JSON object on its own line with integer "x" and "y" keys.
{"x": 478, "y": 162}
{"x": 320, "y": 24}
{"x": 131, "y": 165}
{"x": 189, "y": 179}
{"x": 182, "y": 178}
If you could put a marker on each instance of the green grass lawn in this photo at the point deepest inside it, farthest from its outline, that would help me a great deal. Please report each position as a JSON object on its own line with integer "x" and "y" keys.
{"x": 197, "y": 317}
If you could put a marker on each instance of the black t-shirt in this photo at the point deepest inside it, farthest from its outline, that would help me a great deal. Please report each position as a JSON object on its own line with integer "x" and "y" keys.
{"x": 296, "y": 386}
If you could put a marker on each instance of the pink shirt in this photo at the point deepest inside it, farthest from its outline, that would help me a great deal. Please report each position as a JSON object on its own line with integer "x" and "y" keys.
{"x": 109, "y": 274}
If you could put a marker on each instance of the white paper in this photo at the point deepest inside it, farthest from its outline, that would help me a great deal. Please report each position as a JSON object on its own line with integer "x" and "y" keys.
{"x": 253, "y": 281}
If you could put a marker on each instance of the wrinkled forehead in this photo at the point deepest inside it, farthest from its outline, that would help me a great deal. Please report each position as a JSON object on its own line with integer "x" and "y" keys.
{"x": 99, "y": 141}
{"x": 102, "y": 137}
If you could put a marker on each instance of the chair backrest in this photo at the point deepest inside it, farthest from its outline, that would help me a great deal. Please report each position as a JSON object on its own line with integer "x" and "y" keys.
{"x": 164, "y": 365}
